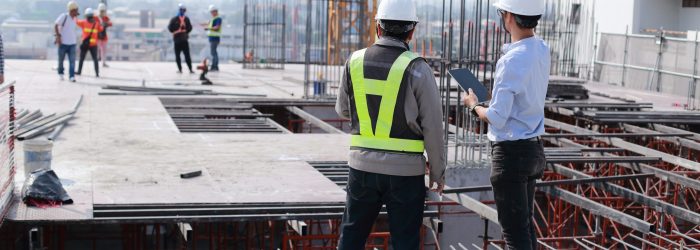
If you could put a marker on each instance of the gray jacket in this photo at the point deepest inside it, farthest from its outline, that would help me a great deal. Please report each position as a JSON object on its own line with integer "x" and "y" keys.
{"x": 423, "y": 110}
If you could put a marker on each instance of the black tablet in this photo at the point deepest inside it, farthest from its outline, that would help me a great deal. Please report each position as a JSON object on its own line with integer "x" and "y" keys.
{"x": 467, "y": 80}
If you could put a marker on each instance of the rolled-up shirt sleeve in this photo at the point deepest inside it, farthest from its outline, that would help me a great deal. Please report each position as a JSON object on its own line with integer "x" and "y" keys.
{"x": 506, "y": 88}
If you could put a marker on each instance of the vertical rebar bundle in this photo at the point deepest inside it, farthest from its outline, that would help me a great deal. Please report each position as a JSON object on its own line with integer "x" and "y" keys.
{"x": 264, "y": 31}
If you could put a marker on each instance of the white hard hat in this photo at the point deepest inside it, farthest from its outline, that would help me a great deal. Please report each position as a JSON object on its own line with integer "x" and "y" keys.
{"x": 102, "y": 7}
{"x": 89, "y": 12}
{"x": 181, "y": 6}
{"x": 522, "y": 7}
{"x": 72, "y": 5}
{"x": 213, "y": 8}
{"x": 397, "y": 10}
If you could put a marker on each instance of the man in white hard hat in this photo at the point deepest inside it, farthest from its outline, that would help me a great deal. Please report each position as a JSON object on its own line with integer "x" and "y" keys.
{"x": 213, "y": 29}
{"x": 180, "y": 26}
{"x": 66, "y": 38}
{"x": 2, "y": 62}
{"x": 102, "y": 38}
{"x": 516, "y": 120}
{"x": 391, "y": 97}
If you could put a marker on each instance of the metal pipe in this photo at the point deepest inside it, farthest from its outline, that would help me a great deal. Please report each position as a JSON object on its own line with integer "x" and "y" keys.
{"x": 580, "y": 244}
{"x": 625, "y": 243}
{"x": 592, "y": 243}
{"x": 668, "y": 240}
{"x": 58, "y": 130}
{"x": 686, "y": 236}
{"x": 645, "y": 241}
{"x": 556, "y": 183}
{"x": 624, "y": 60}
{"x": 694, "y": 81}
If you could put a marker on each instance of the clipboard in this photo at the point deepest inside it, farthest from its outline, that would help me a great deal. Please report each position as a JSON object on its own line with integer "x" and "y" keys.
{"x": 467, "y": 80}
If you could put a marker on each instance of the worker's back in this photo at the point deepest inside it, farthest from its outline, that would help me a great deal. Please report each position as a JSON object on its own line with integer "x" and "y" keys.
{"x": 414, "y": 123}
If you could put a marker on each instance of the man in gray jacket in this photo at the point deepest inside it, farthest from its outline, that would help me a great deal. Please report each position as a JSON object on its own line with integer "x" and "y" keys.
{"x": 391, "y": 97}
{"x": 2, "y": 62}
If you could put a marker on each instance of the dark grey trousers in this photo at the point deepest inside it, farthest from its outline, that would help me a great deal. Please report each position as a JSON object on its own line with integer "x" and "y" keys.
{"x": 404, "y": 197}
{"x": 516, "y": 165}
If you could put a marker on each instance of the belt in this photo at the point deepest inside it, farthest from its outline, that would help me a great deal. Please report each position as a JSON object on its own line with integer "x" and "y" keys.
{"x": 532, "y": 139}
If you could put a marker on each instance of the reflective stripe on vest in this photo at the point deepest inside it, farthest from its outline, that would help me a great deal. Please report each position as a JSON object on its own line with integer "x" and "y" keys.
{"x": 211, "y": 32}
{"x": 389, "y": 91}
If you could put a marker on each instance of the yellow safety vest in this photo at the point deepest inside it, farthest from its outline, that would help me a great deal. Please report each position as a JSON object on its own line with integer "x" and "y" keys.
{"x": 214, "y": 33}
{"x": 388, "y": 89}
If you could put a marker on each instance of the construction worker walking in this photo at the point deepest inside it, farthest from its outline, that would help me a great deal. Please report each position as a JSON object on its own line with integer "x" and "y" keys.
{"x": 91, "y": 27}
{"x": 102, "y": 36}
{"x": 213, "y": 29}
{"x": 391, "y": 97}
{"x": 181, "y": 27}
{"x": 516, "y": 120}
{"x": 66, "y": 39}
{"x": 2, "y": 62}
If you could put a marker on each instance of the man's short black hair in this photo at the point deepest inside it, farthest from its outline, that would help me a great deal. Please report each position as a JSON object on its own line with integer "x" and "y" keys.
{"x": 397, "y": 29}
{"x": 526, "y": 22}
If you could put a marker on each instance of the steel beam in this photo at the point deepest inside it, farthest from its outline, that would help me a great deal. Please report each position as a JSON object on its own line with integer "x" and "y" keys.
{"x": 555, "y": 183}
{"x": 667, "y": 136}
{"x": 636, "y": 134}
{"x": 667, "y": 129}
{"x": 653, "y": 203}
{"x": 478, "y": 207}
{"x": 628, "y": 159}
{"x": 617, "y": 142}
{"x": 640, "y": 167}
{"x": 600, "y": 209}
{"x": 278, "y": 126}
{"x": 314, "y": 120}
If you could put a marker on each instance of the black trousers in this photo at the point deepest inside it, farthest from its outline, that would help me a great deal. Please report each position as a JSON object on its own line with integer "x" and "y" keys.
{"x": 93, "y": 54}
{"x": 516, "y": 165}
{"x": 183, "y": 47}
{"x": 404, "y": 197}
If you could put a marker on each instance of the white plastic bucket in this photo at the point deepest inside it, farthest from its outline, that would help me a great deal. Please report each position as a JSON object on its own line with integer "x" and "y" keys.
{"x": 37, "y": 155}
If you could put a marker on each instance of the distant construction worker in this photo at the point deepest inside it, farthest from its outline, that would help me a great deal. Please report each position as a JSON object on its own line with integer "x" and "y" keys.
{"x": 91, "y": 27}
{"x": 181, "y": 27}
{"x": 392, "y": 99}
{"x": 66, "y": 39}
{"x": 2, "y": 62}
{"x": 516, "y": 120}
{"x": 102, "y": 38}
{"x": 213, "y": 29}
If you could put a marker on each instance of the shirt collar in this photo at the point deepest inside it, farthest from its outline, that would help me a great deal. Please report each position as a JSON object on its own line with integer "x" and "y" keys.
{"x": 511, "y": 46}
{"x": 393, "y": 42}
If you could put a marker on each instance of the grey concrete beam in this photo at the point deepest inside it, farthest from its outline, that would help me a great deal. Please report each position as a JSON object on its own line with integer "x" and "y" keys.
{"x": 478, "y": 207}
{"x": 314, "y": 120}
{"x": 677, "y": 140}
{"x": 667, "y": 129}
{"x": 600, "y": 209}
{"x": 641, "y": 167}
{"x": 653, "y": 203}
{"x": 620, "y": 143}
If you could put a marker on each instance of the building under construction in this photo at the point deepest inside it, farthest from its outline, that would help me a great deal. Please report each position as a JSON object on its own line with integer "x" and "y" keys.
{"x": 259, "y": 159}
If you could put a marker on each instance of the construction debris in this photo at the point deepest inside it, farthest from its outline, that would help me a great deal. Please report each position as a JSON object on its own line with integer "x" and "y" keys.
{"x": 47, "y": 123}
{"x": 191, "y": 174}
{"x": 133, "y": 90}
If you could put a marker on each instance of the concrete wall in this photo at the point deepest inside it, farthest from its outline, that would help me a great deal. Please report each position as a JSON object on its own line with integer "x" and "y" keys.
{"x": 689, "y": 19}
{"x": 653, "y": 14}
{"x": 614, "y": 16}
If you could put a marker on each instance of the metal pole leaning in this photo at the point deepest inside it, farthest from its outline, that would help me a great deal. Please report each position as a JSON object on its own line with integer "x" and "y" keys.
{"x": 58, "y": 130}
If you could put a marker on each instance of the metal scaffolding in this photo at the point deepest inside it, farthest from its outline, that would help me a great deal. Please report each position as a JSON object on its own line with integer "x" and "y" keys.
{"x": 264, "y": 34}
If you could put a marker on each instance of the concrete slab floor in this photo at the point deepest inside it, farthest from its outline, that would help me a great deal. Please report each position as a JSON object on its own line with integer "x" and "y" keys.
{"x": 126, "y": 149}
